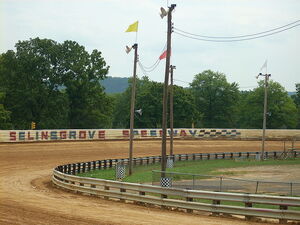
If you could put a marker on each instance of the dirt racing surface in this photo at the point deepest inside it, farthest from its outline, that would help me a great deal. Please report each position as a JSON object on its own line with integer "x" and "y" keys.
{"x": 28, "y": 197}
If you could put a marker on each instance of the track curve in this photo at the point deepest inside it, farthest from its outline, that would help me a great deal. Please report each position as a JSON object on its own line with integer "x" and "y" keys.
{"x": 28, "y": 197}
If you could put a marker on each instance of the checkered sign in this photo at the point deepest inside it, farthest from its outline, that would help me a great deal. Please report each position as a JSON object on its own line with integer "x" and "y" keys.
{"x": 222, "y": 133}
{"x": 120, "y": 171}
{"x": 166, "y": 182}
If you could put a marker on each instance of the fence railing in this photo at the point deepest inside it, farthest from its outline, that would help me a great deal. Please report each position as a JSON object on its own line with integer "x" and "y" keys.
{"x": 220, "y": 202}
{"x": 191, "y": 200}
{"x": 81, "y": 167}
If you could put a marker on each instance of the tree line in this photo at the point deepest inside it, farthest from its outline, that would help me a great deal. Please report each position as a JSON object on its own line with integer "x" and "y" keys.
{"x": 57, "y": 86}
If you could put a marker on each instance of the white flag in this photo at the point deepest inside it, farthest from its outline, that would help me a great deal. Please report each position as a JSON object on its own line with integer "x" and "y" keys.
{"x": 264, "y": 65}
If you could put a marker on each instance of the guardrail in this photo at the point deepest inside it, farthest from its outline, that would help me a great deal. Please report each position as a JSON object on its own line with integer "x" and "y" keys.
{"x": 221, "y": 202}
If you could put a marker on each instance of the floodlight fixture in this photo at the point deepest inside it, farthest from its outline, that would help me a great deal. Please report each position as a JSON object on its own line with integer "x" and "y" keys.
{"x": 163, "y": 12}
{"x": 128, "y": 49}
{"x": 139, "y": 111}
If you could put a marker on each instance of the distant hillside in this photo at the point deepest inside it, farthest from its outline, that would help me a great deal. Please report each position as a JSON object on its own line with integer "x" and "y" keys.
{"x": 291, "y": 93}
{"x": 115, "y": 84}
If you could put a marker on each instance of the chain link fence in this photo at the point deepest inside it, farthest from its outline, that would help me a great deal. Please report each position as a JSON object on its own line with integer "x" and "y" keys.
{"x": 221, "y": 183}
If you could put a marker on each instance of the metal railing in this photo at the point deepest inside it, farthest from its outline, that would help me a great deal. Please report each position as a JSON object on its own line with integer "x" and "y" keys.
{"x": 184, "y": 199}
{"x": 222, "y": 183}
{"x": 221, "y": 202}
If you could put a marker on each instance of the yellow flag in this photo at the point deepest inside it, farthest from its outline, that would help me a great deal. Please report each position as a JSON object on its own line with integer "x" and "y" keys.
{"x": 133, "y": 27}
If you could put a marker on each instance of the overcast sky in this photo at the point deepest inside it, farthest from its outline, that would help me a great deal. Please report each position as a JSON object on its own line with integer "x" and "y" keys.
{"x": 100, "y": 24}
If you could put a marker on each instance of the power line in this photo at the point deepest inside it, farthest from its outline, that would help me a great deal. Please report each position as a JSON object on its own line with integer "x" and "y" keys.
{"x": 239, "y": 36}
{"x": 187, "y": 35}
{"x": 155, "y": 64}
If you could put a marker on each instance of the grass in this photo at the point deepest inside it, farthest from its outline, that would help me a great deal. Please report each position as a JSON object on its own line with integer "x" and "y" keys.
{"x": 143, "y": 174}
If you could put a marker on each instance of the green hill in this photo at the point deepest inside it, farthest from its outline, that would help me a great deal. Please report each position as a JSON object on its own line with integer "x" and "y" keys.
{"x": 115, "y": 84}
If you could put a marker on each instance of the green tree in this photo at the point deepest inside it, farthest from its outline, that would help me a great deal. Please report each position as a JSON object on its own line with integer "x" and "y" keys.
{"x": 282, "y": 112}
{"x": 149, "y": 96}
{"x": 89, "y": 106}
{"x": 55, "y": 85}
{"x": 215, "y": 99}
{"x": 4, "y": 114}
{"x": 296, "y": 99}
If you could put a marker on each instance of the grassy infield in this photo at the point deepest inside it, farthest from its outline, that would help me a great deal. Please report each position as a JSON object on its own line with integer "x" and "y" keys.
{"x": 143, "y": 174}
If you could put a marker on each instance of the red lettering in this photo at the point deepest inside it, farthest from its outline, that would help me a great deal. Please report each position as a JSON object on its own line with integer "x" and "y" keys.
{"x": 63, "y": 134}
{"x": 29, "y": 137}
{"x": 182, "y": 133}
{"x": 13, "y": 136}
{"x": 125, "y": 133}
{"x": 45, "y": 135}
{"x": 101, "y": 134}
{"x": 82, "y": 134}
{"x": 144, "y": 133}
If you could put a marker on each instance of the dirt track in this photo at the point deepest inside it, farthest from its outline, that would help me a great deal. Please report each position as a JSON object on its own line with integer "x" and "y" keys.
{"x": 28, "y": 197}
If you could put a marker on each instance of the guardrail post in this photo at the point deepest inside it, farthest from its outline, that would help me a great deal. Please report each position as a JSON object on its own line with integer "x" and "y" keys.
{"x": 83, "y": 167}
{"x": 201, "y": 157}
{"x": 74, "y": 169}
{"x": 186, "y": 157}
{"x": 110, "y": 163}
{"x": 94, "y": 165}
{"x": 194, "y": 157}
{"x": 223, "y": 155}
{"x": 122, "y": 190}
{"x": 248, "y": 155}
{"x": 106, "y": 188}
{"x": 248, "y": 204}
{"x": 188, "y": 199}
{"x": 283, "y": 207}
{"x": 104, "y": 164}
{"x": 179, "y": 157}
{"x": 216, "y": 155}
{"x": 78, "y": 167}
{"x": 208, "y": 156}
{"x": 147, "y": 160}
{"x": 89, "y": 166}
{"x": 164, "y": 196}
{"x": 141, "y": 161}
{"x": 215, "y": 202}
{"x": 231, "y": 155}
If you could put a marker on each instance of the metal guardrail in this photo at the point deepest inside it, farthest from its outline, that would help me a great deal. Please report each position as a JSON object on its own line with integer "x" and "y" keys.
{"x": 221, "y": 202}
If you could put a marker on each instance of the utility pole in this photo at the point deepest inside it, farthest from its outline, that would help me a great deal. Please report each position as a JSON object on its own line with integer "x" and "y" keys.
{"x": 135, "y": 47}
{"x": 171, "y": 111}
{"x": 165, "y": 94}
{"x": 266, "y": 84}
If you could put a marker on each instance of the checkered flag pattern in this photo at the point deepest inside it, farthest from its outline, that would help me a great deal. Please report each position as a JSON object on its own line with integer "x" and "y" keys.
{"x": 120, "y": 171}
{"x": 170, "y": 163}
{"x": 166, "y": 182}
{"x": 218, "y": 133}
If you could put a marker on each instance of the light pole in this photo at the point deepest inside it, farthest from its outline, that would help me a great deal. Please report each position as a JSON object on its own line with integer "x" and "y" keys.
{"x": 135, "y": 47}
{"x": 165, "y": 93}
{"x": 266, "y": 84}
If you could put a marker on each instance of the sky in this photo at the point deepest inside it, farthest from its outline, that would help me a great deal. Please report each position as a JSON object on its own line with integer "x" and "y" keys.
{"x": 101, "y": 24}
